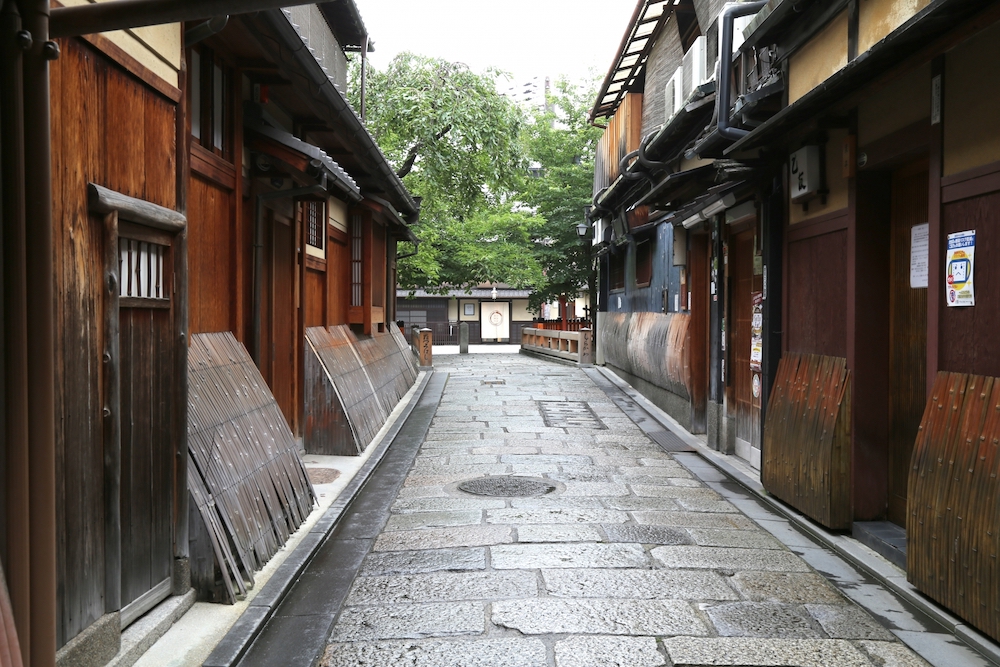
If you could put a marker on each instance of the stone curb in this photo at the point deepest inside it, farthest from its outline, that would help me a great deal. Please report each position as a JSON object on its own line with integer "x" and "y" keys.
{"x": 847, "y": 548}
{"x": 233, "y": 646}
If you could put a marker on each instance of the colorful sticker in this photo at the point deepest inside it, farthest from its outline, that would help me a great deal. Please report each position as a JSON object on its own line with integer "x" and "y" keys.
{"x": 959, "y": 269}
{"x": 757, "y": 332}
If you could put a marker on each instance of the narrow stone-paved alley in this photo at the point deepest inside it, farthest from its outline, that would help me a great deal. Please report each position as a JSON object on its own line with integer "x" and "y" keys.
{"x": 619, "y": 554}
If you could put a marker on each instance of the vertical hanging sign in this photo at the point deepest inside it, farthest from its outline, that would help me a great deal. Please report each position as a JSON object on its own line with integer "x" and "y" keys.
{"x": 757, "y": 332}
{"x": 959, "y": 266}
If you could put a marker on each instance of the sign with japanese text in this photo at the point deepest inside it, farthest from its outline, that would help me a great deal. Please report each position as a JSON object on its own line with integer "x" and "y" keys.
{"x": 959, "y": 268}
{"x": 757, "y": 332}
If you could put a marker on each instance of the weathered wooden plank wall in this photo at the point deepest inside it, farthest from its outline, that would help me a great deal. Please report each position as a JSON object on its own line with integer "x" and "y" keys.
{"x": 359, "y": 381}
{"x": 651, "y": 346}
{"x": 246, "y": 473}
{"x": 807, "y": 438}
{"x": 109, "y": 129}
{"x": 817, "y": 294}
{"x": 621, "y": 137}
{"x": 953, "y": 500}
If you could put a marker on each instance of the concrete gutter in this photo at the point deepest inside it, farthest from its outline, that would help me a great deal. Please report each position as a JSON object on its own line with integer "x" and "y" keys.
{"x": 849, "y": 549}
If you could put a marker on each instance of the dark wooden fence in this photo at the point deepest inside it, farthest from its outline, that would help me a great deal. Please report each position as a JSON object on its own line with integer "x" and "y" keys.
{"x": 351, "y": 387}
{"x": 807, "y": 438}
{"x": 244, "y": 471}
{"x": 953, "y": 506}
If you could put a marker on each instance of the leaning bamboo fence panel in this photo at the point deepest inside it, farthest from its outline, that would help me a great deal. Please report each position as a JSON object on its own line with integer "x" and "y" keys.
{"x": 807, "y": 438}
{"x": 953, "y": 500}
{"x": 10, "y": 648}
{"x": 245, "y": 474}
{"x": 361, "y": 380}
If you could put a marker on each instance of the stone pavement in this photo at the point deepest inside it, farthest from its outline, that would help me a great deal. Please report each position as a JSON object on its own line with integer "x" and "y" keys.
{"x": 626, "y": 555}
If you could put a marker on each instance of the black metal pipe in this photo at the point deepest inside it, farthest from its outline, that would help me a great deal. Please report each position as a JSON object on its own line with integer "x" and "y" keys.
{"x": 729, "y": 13}
{"x": 40, "y": 297}
{"x": 258, "y": 254}
{"x": 204, "y": 30}
{"x": 15, "y": 553}
{"x": 122, "y": 14}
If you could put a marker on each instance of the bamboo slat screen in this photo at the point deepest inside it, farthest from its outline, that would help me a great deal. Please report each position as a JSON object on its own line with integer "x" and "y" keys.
{"x": 362, "y": 379}
{"x": 244, "y": 471}
{"x": 953, "y": 504}
{"x": 10, "y": 648}
{"x": 807, "y": 437}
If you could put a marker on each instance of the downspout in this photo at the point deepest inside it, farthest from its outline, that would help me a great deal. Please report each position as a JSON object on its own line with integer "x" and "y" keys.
{"x": 40, "y": 331}
{"x": 258, "y": 251}
{"x": 364, "y": 76}
{"x": 722, "y": 105}
{"x": 17, "y": 505}
{"x": 204, "y": 30}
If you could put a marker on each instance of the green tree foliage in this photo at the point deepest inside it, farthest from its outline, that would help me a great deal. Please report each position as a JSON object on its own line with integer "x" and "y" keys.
{"x": 562, "y": 143}
{"x": 455, "y": 142}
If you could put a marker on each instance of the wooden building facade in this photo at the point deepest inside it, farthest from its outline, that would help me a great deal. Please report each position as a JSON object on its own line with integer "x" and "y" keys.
{"x": 155, "y": 190}
{"x": 851, "y": 291}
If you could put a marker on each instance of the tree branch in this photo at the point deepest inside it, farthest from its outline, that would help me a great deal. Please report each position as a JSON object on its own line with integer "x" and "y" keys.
{"x": 411, "y": 155}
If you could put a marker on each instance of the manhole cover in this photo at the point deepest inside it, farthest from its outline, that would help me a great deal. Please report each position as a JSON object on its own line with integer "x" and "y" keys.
{"x": 507, "y": 486}
{"x": 322, "y": 475}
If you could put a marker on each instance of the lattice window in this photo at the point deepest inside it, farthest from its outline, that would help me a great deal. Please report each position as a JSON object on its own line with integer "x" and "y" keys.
{"x": 314, "y": 223}
{"x": 357, "y": 262}
{"x": 142, "y": 269}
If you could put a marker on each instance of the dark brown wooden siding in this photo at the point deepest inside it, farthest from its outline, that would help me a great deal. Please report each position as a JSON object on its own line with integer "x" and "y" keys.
{"x": 807, "y": 439}
{"x": 210, "y": 239}
{"x": 953, "y": 500}
{"x": 816, "y": 281}
{"x": 968, "y": 339}
{"x": 315, "y": 298}
{"x": 338, "y": 268}
{"x": 108, "y": 129}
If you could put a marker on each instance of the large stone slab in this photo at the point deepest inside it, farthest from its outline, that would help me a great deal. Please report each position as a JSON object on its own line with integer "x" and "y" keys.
{"x": 638, "y": 584}
{"x": 443, "y": 538}
{"x": 848, "y": 622}
{"x": 612, "y": 617}
{"x": 761, "y": 619}
{"x": 650, "y": 534}
{"x": 447, "y": 504}
{"x": 750, "y": 652}
{"x": 607, "y": 651}
{"x": 538, "y": 556}
{"x": 787, "y": 587}
{"x": 529, "y": 516}
{"x": 693, "y": 520}
{"x": 410, "y": 621}
{"x": 566, "y": 532}
{"x": 416, "y": 520}
{"x": 412, "y": 562}
{"x": 442, "y": 586}
{"x": 743, "y": 539}
{"x": 765, "y": 560}
{"x": 435, "y": 653}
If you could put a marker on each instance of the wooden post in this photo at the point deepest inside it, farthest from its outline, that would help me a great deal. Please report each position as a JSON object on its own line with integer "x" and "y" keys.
{"x": 586, "y": 347}
{"x": 112, "y": 419}
{"x": 424, "y": 350}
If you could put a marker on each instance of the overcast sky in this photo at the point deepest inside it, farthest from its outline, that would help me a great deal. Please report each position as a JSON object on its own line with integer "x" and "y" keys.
{"x": 528, "y": 38}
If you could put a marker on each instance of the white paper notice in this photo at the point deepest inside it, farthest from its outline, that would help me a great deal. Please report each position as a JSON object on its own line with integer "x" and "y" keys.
{"x": 918, "y": 255}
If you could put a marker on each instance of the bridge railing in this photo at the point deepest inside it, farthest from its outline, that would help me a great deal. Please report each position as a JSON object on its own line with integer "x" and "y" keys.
{"x": 575, "y": 346}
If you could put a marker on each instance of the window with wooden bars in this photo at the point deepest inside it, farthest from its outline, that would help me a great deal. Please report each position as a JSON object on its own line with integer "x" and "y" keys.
{"x": 617, "y": 265}
{"x": 209, "y": 101}
{"x": 643, "y": 263}
{"x": 357, "y": 261}
{"x": 141, "y": 270}
{"x": 314, "y": 219}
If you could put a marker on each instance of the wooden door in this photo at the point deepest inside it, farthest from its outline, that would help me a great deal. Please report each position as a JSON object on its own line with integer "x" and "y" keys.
{"x": 907, "y": 332}
{"x": 744, "y": 405}
{"x": 284, "y": 318}
{"x": 147, "y": 438}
